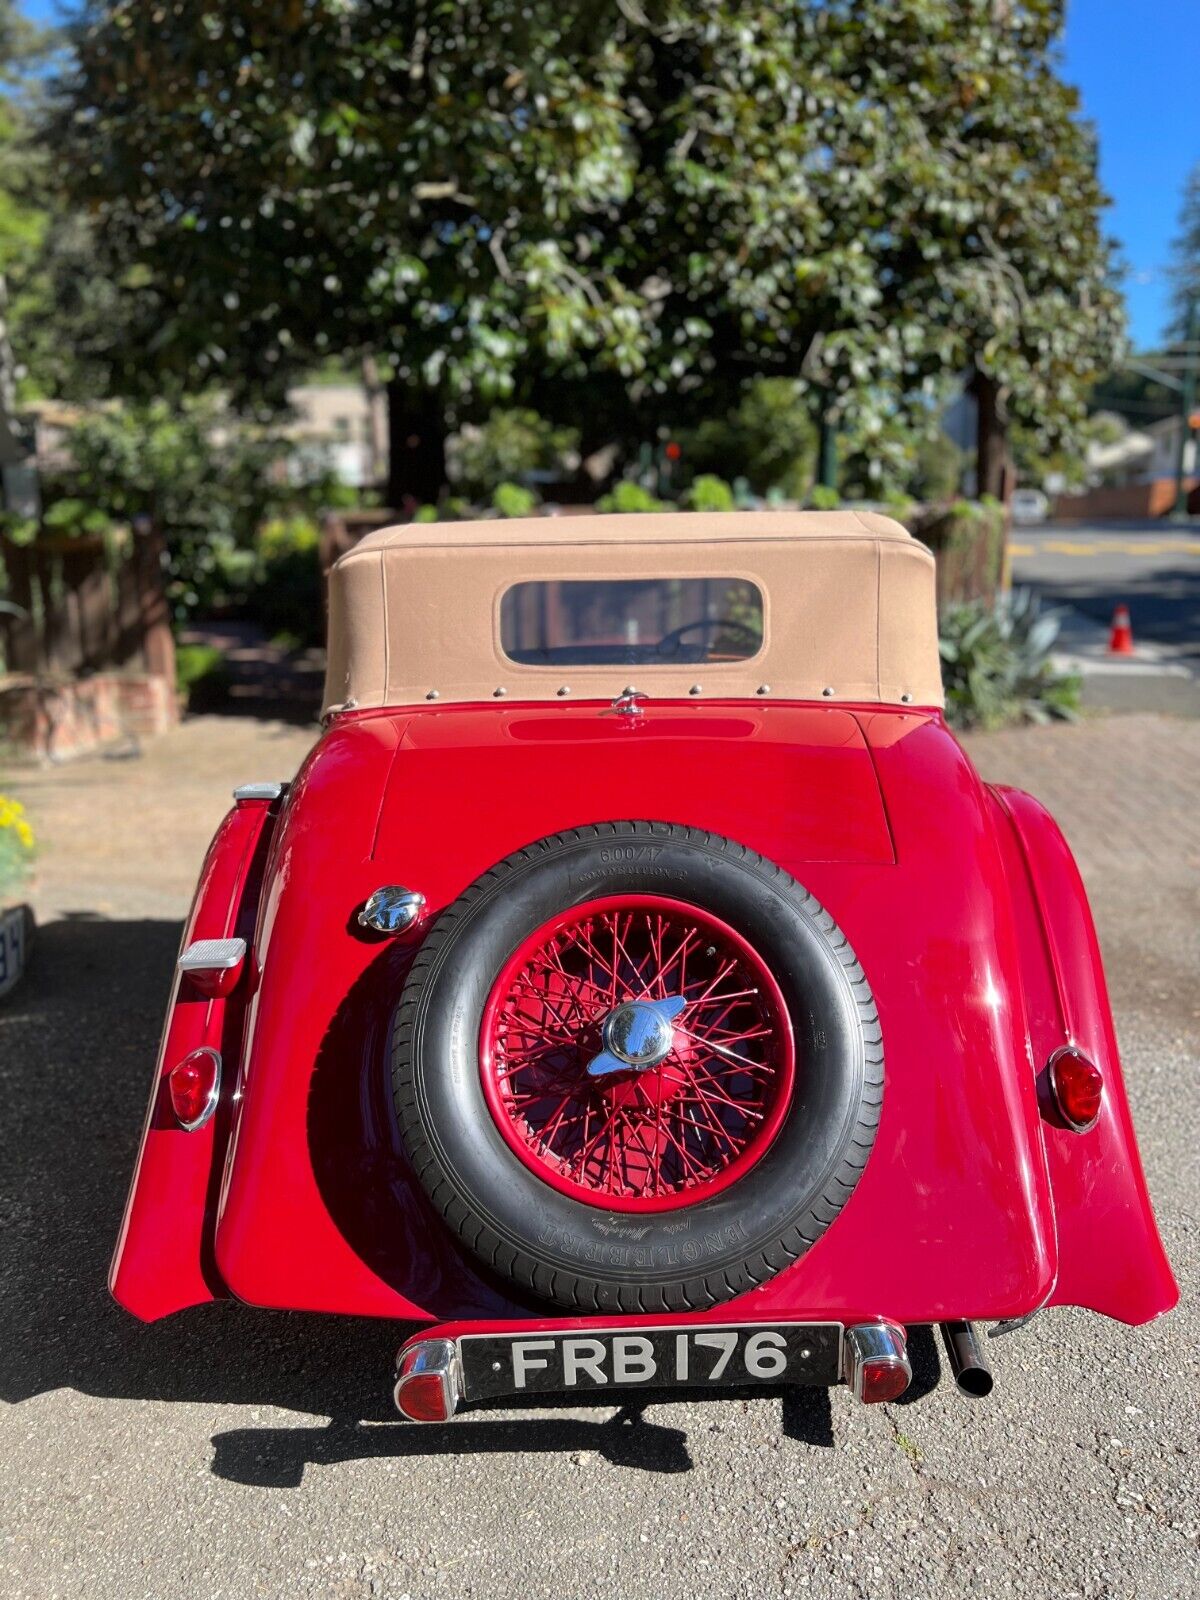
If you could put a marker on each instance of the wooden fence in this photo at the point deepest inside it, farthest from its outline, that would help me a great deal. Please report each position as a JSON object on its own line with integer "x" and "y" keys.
{"x": 84, "y": 607}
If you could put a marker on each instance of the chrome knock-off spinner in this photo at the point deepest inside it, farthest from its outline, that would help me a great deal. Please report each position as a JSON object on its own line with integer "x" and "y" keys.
{"x": 637, "y": 1034}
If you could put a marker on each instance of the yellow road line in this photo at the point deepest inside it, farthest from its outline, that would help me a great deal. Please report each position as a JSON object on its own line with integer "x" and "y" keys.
{"x": 1077, "y": 547}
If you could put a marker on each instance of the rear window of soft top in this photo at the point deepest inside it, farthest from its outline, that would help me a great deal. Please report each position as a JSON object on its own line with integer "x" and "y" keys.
{"x": 595, "y": 622}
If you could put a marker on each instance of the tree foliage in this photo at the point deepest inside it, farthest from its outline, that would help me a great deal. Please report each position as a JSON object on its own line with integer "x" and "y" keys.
{"x": 867, "y": 196}
{"x": 510, "y": 445}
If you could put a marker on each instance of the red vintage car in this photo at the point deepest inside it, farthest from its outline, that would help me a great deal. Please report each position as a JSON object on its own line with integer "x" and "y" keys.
{"x": 638, "y": 986}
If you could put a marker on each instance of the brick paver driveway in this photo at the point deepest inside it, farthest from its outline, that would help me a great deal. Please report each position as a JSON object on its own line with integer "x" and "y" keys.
{"x": 228, "y": 1452}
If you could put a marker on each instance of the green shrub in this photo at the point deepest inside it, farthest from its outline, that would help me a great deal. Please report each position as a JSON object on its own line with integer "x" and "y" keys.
{"x": 75, "y": 518}
{"x": 282, "y": 537}
{"x": 234, "y": 569}
{"x": 287, "y": 597}
{"x": 823, "y": 498}
{"x": 508, "y": 446}
{"x": 937, "y": 474}
{"x": 996, "y": 664}
{"x": 198, "y": 470}
{"x": 513, "y": 500}
{"x": 710, "y": 493}
{"x": 425, "y": 514}
{"x": 200, "y": 673}
{"x": 326, "y": 492}
{"x": 769, "y": 439}
{"x": 900, "y": 506}
{"x": 21, "y": 530}
{"x": 630, "y": 496}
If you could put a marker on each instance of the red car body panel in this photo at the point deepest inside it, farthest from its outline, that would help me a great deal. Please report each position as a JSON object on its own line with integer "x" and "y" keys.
{"x": 964, "y": 908}
{"x": 1110, "y": 1257}
{"x": 164, "y": 1255}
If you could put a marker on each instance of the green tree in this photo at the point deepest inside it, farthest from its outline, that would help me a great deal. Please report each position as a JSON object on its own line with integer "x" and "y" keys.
{"x": 639, "y": 205}
{"x": 22, "y": 221}
{"x": 511, "y": 444}
{"x": 418, "y": 183}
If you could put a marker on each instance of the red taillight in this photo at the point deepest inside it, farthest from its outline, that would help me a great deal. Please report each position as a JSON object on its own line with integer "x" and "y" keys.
{"x": 875, "y": 1361}
{"x": 883, "y": 1380}
{"x": 1077, "y": 1087}
{"x": 423, "y": 1398}
{"x": 194, "y": 1085}
{"x": 427, "y": 1380}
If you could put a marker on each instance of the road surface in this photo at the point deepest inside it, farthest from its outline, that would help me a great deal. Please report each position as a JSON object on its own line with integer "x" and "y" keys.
{"x": 1154, "y": 569}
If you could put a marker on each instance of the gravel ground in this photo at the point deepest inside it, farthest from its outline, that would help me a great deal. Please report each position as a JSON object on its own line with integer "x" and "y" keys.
{"x": 228, "y": 1452}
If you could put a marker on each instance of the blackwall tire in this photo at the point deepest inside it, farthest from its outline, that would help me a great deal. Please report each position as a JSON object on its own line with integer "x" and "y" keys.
{"x": 593, "y": 1256}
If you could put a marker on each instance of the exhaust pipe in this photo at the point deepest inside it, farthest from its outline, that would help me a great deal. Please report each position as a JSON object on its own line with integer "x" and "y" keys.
{"x": 970, "y": 1370}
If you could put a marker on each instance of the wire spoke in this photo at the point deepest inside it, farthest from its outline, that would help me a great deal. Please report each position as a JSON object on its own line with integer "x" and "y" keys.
{"x": 649, "y": 1136}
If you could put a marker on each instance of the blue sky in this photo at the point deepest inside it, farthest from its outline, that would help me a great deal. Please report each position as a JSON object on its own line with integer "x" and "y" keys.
{"x": 1137, "y": 65}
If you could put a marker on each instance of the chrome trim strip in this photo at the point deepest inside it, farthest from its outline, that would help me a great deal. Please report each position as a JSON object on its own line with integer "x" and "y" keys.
{"x": 212, "y": 955}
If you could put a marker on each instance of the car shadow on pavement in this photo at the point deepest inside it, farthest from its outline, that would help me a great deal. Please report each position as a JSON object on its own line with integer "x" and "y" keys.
{"x": 78, "y": 1042}
{"x": 276, "y": 1457}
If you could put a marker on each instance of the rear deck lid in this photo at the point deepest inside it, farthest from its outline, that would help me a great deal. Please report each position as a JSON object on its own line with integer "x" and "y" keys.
{"x": 796, "y": 783}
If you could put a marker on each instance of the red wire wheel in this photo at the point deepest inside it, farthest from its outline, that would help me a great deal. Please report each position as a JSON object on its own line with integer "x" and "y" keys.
{"x": 642, "y": 1136}
{"x": 596, "y": 1080}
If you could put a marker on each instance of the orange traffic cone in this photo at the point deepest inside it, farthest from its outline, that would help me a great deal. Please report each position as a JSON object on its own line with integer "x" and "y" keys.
{"x": 1120, "y": 639}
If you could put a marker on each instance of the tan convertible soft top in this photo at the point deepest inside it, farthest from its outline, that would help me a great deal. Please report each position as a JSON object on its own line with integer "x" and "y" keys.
{"x": 848, "y": 607}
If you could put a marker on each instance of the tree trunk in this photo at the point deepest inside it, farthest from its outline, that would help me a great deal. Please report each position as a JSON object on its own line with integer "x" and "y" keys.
{"x": 991, "y": 439}
{"x": 377, "y": 423}
{"x": 416, "y": 446}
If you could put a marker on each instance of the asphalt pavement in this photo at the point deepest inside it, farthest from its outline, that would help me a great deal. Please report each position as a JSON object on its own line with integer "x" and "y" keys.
{"x": 1151, "y": 567}
{"x": 228, "y": 1452}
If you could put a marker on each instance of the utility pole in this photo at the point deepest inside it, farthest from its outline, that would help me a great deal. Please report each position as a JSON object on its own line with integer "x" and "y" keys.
{"x": 1187, "y": 401}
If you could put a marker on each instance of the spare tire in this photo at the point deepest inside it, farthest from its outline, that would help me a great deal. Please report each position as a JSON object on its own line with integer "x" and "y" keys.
{"x": 637, "y": 1068}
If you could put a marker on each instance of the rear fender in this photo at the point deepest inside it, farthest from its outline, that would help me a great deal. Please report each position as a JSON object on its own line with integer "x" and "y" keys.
{"x": 163, "y": 1260}
{"x": 1111, "y": 1259}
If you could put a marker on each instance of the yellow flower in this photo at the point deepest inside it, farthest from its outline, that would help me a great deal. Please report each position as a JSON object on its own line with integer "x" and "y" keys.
{"x": 12, "y": 815}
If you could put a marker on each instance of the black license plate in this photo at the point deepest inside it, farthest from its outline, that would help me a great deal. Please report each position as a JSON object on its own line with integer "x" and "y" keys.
{"x": 698, "y": 1356}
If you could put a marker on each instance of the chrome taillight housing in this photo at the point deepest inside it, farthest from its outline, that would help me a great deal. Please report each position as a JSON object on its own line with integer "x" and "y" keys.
{"x": 194, "y": 1087}
{"x": 1077, "y": 1086}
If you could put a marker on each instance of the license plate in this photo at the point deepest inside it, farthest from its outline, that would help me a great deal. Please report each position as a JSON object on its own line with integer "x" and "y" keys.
{"x": 12, "y": 947}
{"x": 698, "y": 1356}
